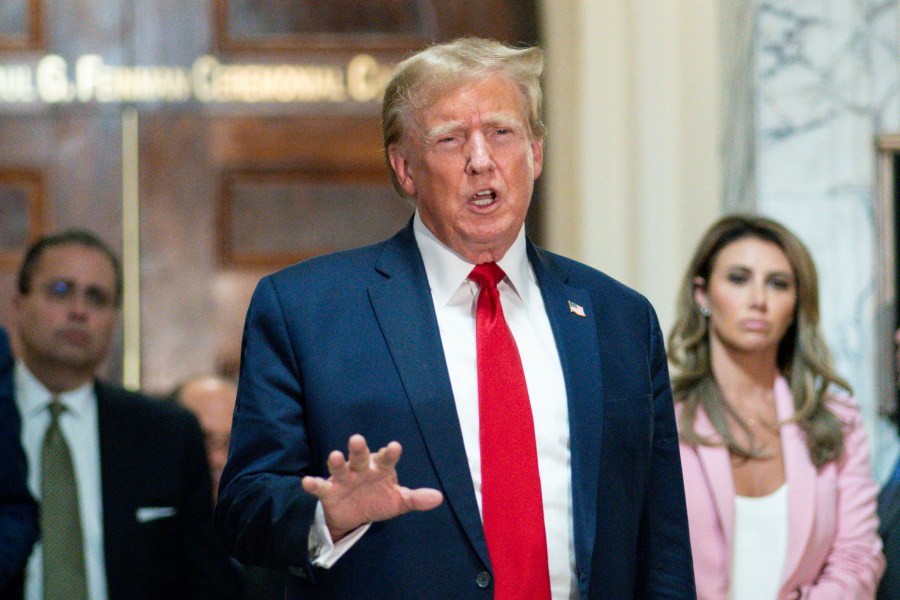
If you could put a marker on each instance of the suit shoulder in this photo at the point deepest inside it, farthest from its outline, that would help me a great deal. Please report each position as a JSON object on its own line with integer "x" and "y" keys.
{"x": 326, "y": 265}
{"x": 594, "y": 280}
{"x": 142, "y": 408}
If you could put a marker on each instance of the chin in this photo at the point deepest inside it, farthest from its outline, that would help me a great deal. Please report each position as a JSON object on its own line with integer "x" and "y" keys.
{"x": 497, "y": 236}
{"x": 760, "y": 348}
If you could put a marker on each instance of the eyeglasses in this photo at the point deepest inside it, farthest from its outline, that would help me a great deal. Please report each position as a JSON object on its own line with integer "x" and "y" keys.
{"x": 66, "y": 290}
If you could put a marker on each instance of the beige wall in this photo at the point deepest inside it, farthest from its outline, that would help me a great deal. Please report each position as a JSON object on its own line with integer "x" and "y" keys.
{"x": 633, "y": 166}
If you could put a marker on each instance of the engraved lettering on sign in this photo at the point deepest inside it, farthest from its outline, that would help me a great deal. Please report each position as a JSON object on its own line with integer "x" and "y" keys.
{"x": 366, "y": 79}
{"x": 96, "y": 80}
{"x": 52, "y": 80}
{"x": 215, "y": 82}
{"x": 16, "y": 84}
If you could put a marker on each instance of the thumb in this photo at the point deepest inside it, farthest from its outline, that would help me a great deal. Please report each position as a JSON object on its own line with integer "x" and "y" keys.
{"x": 422, "y": 498}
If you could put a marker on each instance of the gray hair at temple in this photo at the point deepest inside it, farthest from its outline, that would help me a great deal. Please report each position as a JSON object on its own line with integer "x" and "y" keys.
{"x": 424, "y": 77}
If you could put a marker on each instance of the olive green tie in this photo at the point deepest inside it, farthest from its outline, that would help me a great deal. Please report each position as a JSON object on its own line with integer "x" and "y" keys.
{"x": 63, "y": 549}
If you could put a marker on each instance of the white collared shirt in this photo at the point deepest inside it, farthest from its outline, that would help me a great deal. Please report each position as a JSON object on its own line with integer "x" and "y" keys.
{"x": 455, "y": 300}
{"x": 79, "y": 426}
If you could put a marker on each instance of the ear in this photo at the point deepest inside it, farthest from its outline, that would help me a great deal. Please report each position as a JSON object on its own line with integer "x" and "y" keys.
{"x": 402, "y": 169}
{"x": 17, "y": 307}
{"x": 537, "y": 157}
{"x": 700, "y": 293}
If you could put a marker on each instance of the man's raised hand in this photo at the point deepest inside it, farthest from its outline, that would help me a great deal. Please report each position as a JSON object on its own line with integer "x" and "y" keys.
{"x": 363, "y": 488}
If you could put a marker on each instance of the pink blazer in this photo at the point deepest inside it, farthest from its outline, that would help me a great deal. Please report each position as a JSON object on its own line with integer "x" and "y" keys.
{"x": 834, "y": 552}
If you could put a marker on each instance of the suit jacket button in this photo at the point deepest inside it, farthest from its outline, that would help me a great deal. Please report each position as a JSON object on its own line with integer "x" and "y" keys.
{"x": 483, "y": 579}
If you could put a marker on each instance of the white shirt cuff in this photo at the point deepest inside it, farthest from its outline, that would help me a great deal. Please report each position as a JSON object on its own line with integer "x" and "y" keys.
{"x": 323, "y": 552}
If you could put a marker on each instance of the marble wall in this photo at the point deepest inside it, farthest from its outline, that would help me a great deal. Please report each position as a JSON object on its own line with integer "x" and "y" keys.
{"x": 826, "y": 83}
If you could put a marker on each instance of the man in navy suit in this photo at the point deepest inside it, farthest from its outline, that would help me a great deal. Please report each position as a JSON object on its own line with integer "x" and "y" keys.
{"x": 18, "y": 512}
{"x": 378, "y": 346}
{"x": 142, "y": 493}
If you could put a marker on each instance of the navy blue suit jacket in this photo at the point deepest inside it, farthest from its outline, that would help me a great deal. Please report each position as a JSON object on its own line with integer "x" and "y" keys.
{"x": 18, "y": 511}
{"x": 349, "y": 343}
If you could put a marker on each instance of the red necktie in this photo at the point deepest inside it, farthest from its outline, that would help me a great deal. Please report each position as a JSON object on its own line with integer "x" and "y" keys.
{"x": 511, "y": 504}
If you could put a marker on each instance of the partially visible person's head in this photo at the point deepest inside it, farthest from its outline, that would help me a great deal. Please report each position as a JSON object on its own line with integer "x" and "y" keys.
{"x": 463, "y": 137}
{"x": 801, "y": 355}
{"x": 212, "y": 399}
{"x": 66, "y": 307}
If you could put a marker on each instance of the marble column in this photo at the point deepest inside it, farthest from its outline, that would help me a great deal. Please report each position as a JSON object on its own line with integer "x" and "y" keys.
{"x": 826, "y": 79}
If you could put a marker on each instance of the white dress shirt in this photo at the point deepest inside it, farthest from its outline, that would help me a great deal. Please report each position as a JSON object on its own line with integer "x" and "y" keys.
{"x": 79, "y": 426}
{"x": 455, "y": 300}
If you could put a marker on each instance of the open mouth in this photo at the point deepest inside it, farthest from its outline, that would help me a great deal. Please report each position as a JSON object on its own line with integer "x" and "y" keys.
{"x": 484, "y": 198}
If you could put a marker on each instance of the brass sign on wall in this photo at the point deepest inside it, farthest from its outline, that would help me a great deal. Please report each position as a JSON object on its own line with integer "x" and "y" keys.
{"x": 52, "y": 80}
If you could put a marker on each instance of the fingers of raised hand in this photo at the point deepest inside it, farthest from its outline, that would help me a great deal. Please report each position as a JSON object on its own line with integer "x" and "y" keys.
{"x": 314, "y": 485}
{"x": 387, "y": 458}
{"x": 337, "y": 466}
{"x": 357, "y": 467}
{"x": 358, "y": 453}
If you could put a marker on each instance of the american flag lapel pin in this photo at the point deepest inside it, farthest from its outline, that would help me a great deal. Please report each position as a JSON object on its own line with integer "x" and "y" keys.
{"x": 576, "y": 308}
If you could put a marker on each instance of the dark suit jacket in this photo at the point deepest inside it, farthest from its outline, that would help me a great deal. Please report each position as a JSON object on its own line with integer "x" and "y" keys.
{"x": 152, "y": 457}
{"x": 18, "y": 511}
{"x": 889, "y": 514}
{"x": 349, "y": 343}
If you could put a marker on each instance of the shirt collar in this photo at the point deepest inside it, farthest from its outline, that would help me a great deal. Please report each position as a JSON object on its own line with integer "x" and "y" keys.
{"x": 32, "y": 396}
{"x": 447, "y": 271}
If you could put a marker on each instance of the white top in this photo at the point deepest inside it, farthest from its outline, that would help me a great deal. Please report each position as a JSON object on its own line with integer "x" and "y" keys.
{"x": 79, "y": 426}
{"x": 760, "y": 545}
{"x": 455, "y": 300}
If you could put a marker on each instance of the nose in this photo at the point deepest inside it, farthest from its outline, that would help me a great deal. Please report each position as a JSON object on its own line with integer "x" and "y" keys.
{"x": 78, "y": 309}
{"x": 478, "y": 155}
{"x": 759, "y": 297}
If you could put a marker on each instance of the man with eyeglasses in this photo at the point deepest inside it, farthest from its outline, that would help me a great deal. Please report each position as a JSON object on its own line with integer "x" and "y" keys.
{"x": 125, "y": 493}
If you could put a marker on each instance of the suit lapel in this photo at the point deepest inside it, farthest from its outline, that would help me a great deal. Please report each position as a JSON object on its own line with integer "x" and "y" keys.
{"x": 405, "y": 312}
{"x": 798, "y": 471}
{"x": 579, "y": 353}
{"x": 719, "y": 479}
{"x": 801, "y": 474}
